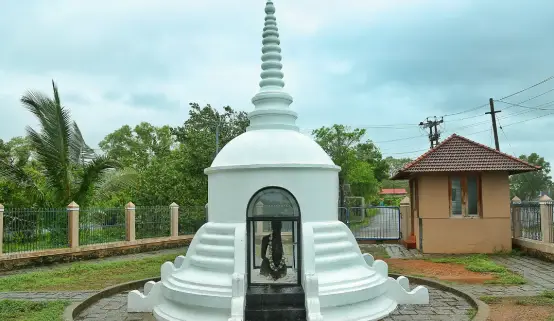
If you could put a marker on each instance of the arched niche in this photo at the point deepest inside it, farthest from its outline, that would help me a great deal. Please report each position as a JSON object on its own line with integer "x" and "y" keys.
{"x": 273, "y": 202}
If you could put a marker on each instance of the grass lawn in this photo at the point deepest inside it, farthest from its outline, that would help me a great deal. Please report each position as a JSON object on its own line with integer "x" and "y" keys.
{"x": 531, "y": 308}
{"x": 20, "y": 310}
{"x": 86, "y": 276}
{"x": 481, "y": 263}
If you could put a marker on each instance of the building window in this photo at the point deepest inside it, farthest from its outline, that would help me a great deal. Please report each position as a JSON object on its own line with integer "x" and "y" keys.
{"x": 465, "y": 195}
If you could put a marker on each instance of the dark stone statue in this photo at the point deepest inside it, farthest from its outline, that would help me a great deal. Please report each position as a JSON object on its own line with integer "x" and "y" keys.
{"x": 274, "y": 264}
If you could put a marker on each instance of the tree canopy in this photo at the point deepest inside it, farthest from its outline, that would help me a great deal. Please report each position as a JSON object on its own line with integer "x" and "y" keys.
{"x": 59, "y": 149}
{"x": 361, "y": 162}
{"x": 528, "y": 186}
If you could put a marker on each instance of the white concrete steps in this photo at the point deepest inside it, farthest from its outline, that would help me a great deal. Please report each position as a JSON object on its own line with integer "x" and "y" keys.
{"x": 376, "y": 309}
{"x": 207, "y": 281}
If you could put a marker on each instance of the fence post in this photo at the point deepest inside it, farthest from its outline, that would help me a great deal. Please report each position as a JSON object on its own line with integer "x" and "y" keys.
{"x": 546, "y": 218}
{"x": 206, "y": 213}
{"x": 516, "y": 221}
{"x": 130, "y": 222}
{"x": 174, "y": 212}
{"x": 1, "y": 228}
{"x": 73, "y": 224}
{"x": 405, "y": 218}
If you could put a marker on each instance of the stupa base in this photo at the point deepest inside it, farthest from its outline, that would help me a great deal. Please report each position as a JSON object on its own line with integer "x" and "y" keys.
{"x": 339, "y": 282}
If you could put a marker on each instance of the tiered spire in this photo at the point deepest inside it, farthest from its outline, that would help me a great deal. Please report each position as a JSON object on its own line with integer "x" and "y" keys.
{"x": 271, "y": 103}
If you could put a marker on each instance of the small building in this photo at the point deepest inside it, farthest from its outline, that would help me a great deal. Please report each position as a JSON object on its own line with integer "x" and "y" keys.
{"x": 393, "y": 192}
{"x": 460, "y": 198}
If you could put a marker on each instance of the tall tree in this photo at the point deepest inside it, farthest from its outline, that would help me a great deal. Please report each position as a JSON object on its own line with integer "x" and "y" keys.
{"x": 527, "y": 186}
{"x": 136, "y": 147}
{"x": 58, "y": 146}
{"x": 15, "y": 187}
{"x": 361, "y": 162}
{"x": 396, "y": 164}
{"x": 198, "y": 139}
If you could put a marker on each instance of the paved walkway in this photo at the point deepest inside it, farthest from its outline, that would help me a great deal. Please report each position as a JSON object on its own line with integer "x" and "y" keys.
{"x": 397, "y": 251}
{"x": 444, "y": 306}
{"x": 384, "y": 225}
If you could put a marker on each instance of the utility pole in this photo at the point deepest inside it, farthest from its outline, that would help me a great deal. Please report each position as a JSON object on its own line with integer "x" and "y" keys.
{"x": 433, "y": 136}
{"x": 493, "y": 117}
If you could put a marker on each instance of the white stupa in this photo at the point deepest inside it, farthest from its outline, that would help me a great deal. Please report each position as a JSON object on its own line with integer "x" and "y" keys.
{"x": 273, "y": 162}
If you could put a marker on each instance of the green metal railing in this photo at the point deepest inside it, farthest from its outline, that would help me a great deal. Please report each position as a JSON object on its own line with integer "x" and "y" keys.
{"x": 34, "y": 229}
{"x": 152, "y": 221}
{"x": 101, "y": 225}
{"x": 191, "y": 219}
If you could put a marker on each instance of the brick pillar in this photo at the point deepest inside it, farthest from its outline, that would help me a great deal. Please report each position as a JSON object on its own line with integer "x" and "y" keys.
{"x": 516, "y": 217}
{"x": 130, "y": 222}
{"x": 546, "y": 218}
{"x": 1, "y": 228}
{"x": 73, "y": 224}
{"x": 405, "y": 218}
{"x": 174, "y": 212}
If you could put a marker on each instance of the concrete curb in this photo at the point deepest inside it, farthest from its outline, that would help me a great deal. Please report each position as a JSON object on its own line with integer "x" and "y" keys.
{"x": 481, "y": 307}
{"x": 75, "y": 309}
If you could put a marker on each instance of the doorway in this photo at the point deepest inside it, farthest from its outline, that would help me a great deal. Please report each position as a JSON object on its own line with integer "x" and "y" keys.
{"x": 273, "y": 238}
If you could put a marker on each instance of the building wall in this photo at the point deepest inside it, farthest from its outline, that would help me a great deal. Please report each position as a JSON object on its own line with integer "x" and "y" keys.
{"x": 445, "y": 234}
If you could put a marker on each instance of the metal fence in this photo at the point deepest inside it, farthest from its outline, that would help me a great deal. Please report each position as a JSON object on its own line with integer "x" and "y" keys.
{"x": 191, "y": 219}
{"x": 101, "y": 225}
{"x": 526, "y": 217}
{"x": 373, "y": 222}
{"x": 34, "y": 229}
{"x": 152, "y": 221}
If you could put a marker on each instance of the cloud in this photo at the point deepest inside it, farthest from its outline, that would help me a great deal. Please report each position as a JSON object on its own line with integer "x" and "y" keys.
{"x": 361, "y": 63}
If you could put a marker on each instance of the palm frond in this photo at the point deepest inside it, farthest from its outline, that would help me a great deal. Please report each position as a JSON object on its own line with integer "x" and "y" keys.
{"x": 51, "y": 142}
{"x": 115, "y": 180}
{"x": 78, "y": 148}
{"x": 92, "y": 172}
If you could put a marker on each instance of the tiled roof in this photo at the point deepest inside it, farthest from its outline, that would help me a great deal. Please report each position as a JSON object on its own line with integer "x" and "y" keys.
{"x": 393, "y": 191}
{"x": 459, "y": 154}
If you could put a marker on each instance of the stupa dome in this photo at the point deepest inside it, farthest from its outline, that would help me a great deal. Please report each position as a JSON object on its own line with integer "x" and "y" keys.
{"x": 272, "y": 147}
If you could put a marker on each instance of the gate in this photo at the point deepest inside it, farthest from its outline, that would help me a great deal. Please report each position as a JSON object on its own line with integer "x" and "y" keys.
{"x": 373, "y": 222}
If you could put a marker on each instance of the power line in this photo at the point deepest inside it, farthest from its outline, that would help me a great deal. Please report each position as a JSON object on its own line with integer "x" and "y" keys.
{"x": 535, "y": 85}
{"x": 410, "y": 152}
{"x": 528, "y": 107}
{"x": 511, "y": 95}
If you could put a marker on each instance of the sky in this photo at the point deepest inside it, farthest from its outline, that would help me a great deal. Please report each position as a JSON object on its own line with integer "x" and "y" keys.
{"x": 382, "y": 65}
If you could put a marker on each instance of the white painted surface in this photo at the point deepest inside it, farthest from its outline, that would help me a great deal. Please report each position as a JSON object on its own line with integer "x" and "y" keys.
{"x": 272, "y": 146}
{"x": 208, "y": 284}
{"x": 315, "y": 190}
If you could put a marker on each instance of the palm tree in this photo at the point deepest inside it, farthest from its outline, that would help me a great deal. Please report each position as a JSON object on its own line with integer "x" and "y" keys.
{"x": 60, "y": 148}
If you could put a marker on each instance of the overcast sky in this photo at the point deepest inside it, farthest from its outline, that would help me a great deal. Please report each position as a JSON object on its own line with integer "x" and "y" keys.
{"x": 384, "y": 65}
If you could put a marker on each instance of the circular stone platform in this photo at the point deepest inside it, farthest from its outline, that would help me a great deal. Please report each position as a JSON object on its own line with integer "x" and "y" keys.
{"x": 443, "y": 306}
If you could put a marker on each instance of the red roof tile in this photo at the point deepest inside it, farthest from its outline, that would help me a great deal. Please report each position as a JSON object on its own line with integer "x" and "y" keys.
{"x": 393, "y": 191}
{"x": 459, "y": 154}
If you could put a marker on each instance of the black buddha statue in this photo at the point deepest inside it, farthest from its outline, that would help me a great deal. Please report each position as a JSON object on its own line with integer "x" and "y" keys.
{"x": 274, "y": 264}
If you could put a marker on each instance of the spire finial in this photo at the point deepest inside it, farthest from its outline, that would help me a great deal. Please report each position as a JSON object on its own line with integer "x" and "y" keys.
{"x": 271, "y": 103}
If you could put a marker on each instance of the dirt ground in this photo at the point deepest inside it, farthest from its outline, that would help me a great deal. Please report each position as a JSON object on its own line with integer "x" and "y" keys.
{"x": 512, "y": 312}
{"x": 522, "y": 309}
{"x": 441, "y": 271}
